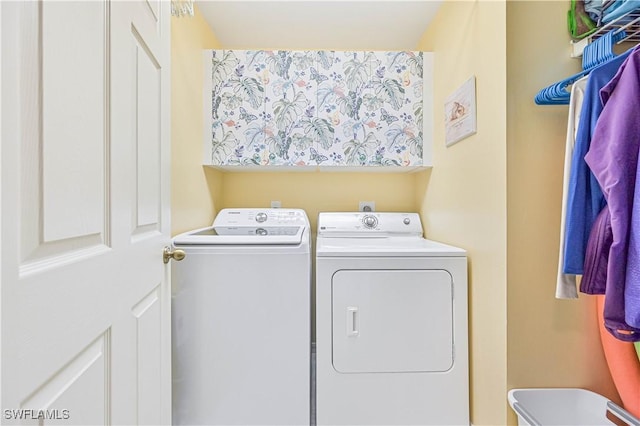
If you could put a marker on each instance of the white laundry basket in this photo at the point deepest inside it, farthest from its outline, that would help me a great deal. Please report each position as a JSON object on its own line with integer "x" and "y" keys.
{"x": 546, "y": 406}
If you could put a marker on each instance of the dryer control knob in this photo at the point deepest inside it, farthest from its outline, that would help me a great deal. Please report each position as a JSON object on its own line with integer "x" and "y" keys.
{"x": 406, "y": 221}
{"x": 261, "y": 217}
{"x": 261, "y": 231}
{"x": 370, "y": 221}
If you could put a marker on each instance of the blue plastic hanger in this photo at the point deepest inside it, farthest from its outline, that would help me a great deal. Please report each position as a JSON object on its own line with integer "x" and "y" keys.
{"x": 595, "y": 53}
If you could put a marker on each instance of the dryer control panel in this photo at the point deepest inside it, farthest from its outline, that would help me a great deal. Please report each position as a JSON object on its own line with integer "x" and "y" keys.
{"x": 369, "y": 224}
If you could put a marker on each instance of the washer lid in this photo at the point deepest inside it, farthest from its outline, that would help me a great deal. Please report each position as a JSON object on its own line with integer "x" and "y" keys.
{"x": 250, "y": 226}
{"x": 242, "y": 235}
{"x": 385, "y": 247}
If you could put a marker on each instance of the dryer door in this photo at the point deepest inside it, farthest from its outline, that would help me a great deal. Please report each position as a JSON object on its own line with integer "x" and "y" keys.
{"x": 392, "y": 321}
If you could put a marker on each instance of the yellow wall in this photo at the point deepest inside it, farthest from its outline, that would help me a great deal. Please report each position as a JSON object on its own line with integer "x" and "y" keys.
{"x": 463, "y": 200}
{"x": 496, "y": 194}
{"x": 551, "y": 343}
{"x": 199, "y": 192}
{"x": 320, "y": 191}
{"x": 195, "y": 191}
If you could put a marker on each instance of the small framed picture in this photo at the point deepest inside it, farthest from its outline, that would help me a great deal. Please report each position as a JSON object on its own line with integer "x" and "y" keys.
{"x": 460, "y": 113}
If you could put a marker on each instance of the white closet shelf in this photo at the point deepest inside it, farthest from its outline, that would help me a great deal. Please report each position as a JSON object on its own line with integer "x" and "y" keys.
{"x": 328, "y": 169}
{"x": 629, "y": 23}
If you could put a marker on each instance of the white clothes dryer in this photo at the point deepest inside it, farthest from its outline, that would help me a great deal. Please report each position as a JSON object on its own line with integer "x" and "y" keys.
{"x": 242, "y": 320}
{"x": 391, "y": 323}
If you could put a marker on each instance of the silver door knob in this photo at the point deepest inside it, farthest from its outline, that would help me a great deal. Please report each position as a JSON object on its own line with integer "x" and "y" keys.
{"x": 168, "y": 254}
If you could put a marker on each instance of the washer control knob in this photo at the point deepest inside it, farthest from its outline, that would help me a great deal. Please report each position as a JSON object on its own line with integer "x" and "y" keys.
{"x": 370, "y": 221}
{"x": 261, "y": 217}
{"x": 406, "y": 221}
{"x": 261, "y": 231}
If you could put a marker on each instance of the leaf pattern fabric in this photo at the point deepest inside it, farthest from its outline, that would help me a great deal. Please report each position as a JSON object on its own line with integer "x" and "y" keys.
{"x": 329, "y": 108}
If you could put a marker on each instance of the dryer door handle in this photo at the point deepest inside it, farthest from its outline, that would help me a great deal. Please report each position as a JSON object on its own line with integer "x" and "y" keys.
{"x": 353, "y": 321}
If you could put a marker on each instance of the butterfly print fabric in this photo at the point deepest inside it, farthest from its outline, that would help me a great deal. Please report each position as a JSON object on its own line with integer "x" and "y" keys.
{"x": 310, "y": 108}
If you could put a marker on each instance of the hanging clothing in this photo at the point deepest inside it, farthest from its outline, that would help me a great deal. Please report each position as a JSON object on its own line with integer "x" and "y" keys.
{"x": 619, "y": 8}
{"x": 632, "y": 279}
{"x": 594, "y": 280}
{"x": 566, "y": 283}
{"x": 594, "y": 9}
{"x": 585, "y": 199}
{"x": 613, "y": 159}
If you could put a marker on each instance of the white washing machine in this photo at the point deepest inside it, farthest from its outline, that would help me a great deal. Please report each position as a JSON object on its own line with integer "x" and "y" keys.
{"x": 391, "y": 323}
{"x": 242, "y": 320}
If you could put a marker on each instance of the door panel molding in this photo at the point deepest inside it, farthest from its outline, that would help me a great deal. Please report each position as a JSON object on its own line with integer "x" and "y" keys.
{"x": 70, "y": 165}
{"x": 93, "y": 360}
{"x": 148, "y": 314}
{"x": 148, "y": 130}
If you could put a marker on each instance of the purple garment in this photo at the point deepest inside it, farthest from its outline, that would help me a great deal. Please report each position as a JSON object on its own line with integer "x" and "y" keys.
{"x": 632, "y": 283}
{"x": 596, "y": 259}
{"x": 613, "y": 159}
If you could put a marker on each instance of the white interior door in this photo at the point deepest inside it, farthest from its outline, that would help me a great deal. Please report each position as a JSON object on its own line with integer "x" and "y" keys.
{"x": 85, "y": 212}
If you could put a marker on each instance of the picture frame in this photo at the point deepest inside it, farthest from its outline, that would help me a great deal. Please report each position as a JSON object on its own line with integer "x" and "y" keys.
{"x": 460, "y": 113}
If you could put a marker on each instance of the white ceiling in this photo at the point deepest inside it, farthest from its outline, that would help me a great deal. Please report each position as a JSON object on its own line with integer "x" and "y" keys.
{"x": 324, "y": 24}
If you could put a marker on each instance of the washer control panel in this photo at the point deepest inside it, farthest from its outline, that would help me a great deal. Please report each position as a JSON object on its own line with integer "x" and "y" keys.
{"x": 364, "y": 224}
{"x": 262, "y": 218}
